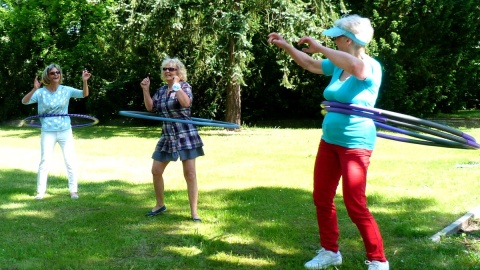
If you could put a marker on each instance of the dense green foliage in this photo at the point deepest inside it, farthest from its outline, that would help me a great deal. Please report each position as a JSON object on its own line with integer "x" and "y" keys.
{"x": 429, "y": 50}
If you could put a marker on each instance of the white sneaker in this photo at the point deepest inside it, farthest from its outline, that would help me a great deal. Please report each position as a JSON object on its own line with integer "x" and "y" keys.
{"x": 324, "y": 259}
{"x": 39, "y": 196}
{"x": 376, "y": 265}
{"x": 74, "y": 195}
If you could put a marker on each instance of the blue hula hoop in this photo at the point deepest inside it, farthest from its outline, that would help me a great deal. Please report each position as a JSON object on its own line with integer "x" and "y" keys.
{"x": 93, "y": 121}
{"x": 194, "y": 121}
{"x": 445, "y": 136}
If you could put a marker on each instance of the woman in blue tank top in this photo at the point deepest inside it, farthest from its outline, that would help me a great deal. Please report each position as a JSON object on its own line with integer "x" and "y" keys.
{"x": 347, "y": 141}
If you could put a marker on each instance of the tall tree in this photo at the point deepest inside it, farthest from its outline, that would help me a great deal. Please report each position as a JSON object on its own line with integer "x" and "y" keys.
{"x": 429, "y": 64}
{"x": 37, "y": 33}
{"x": 429, "y": 49}
{"x": 216, "y": 41}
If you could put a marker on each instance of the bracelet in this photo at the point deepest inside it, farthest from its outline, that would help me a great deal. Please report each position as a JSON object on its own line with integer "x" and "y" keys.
{"x": 176, "y": 87}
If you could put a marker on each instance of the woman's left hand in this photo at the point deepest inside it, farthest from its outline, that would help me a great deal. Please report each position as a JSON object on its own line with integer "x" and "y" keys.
{"x": 176, "y": 79}
{"x": 86, "y": 75}
{"x": 313, "y": 46}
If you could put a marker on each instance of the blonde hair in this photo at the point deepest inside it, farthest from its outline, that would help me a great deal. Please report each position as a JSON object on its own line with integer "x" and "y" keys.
{"x": 359, "y": 26}
{"x": 45, "y": 79}
{"x": 176, "y": 63}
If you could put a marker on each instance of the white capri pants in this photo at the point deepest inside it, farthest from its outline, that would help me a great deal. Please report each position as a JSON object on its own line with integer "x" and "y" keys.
{"x": 48, "y": 141}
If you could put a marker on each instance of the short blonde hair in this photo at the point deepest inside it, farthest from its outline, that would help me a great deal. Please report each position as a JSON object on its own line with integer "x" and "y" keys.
{"x": 176, "y": 63}
{"x": 45, "y": 79}
{"x": 359, "y": 26}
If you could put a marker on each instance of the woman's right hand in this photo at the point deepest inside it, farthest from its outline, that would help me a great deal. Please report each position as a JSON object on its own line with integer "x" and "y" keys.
{"x": 36, "y": 83}
{"x": 277, "y": 40}
{"x": 145, "y": 83}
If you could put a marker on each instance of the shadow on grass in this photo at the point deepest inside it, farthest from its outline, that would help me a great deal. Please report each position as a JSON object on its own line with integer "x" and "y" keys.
{"x": 262, "y": 228}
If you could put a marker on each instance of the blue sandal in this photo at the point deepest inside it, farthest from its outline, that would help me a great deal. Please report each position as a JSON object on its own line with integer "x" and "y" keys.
{"x": 154, "y": 213}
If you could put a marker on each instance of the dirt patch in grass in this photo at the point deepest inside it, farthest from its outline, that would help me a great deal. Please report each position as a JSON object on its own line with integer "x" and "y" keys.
{"x": 470, "y": 235}
{"x": 473, "y": 227}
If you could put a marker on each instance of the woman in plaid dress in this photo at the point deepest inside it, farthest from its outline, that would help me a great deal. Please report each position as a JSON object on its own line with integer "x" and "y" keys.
{"x": 178, "y": 140}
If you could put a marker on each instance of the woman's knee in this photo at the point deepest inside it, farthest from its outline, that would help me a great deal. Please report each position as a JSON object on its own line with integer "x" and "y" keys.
{"x": 158, "y": 168}
{"x": 190, "y": 176}
{"x": 156, "y": 172}
{"x": 357, "y": 211}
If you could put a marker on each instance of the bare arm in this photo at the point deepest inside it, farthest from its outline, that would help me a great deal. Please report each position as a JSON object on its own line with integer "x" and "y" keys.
{"x": 85, "y": 76}
{"x": 28, "y": 96}
{"x": 346, "y": 61}
{"x": 147, "y": 99}
{"x": 301, "y": 58}
{"x": 182, "y": 97}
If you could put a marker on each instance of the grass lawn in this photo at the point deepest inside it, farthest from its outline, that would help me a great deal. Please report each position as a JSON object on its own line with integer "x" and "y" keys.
{"x": 255, "y": 202}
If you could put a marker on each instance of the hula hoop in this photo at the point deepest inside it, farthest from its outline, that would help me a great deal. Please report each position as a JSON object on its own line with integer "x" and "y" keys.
{"x": 401, "y": 117}
{"x": 380, "y": 120}
{"x": 93, "y": 121}
{"x": 194, "y": 121}
{"x": 447, "y": 136}
{"x": 431, "y": 141}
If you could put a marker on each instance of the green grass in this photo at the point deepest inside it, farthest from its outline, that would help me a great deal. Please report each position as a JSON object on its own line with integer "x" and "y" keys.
{"x": 255, "y": 202}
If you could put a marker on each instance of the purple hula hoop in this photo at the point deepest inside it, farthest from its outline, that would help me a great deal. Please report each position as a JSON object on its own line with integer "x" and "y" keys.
{"x": 448, "y": 137}
{"x": 381, "y": 120}
{"x": 94, "y": 120}
{"x": 401, "y": 117}
{"x": 426, "y": 139}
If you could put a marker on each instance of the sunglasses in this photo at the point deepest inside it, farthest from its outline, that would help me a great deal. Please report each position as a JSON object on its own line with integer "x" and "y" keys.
{"x": 54, "y": 72}
{"x": 169, "y": 69}
{"x": 334, "y": 38}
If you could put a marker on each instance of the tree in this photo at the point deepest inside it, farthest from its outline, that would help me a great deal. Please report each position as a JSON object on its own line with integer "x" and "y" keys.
{"x": 429, "y": 65}
{"x": 216, "y": 41}
{"x": 37, "y": 33}
{"x": 429, "y": 49}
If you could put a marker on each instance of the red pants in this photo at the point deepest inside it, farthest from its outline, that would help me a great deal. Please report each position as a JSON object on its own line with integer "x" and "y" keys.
{"x": 333, "y": 162}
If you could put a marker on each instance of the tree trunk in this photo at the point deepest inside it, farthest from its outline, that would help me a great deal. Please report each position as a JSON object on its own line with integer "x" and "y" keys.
{"x": 234, "y": 103}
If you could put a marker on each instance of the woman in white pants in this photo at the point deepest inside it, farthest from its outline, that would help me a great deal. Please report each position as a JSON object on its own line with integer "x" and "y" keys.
{"x": 53, "y": 98}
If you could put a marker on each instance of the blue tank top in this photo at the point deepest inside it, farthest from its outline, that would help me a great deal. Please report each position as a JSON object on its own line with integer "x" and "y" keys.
{"x": 351, "y": 131}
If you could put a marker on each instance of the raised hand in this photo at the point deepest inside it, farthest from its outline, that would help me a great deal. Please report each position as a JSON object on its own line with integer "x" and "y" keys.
{"x": 36, "y": 83}
{"x": 176, "y": 79}
{"x": 313, "y": 46}
{"x": 277, "y": 40}
{"x": 145, "y": 83}
{"x": 86, "y": 75}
